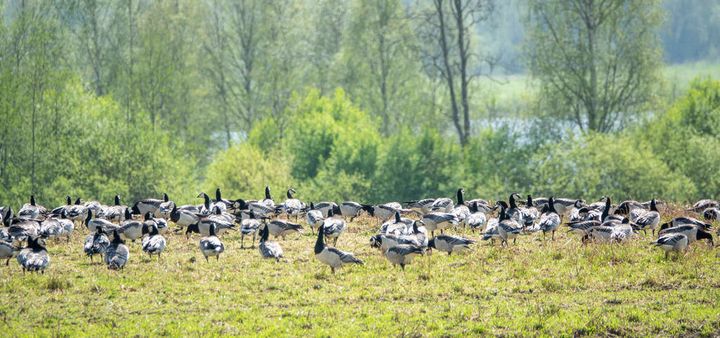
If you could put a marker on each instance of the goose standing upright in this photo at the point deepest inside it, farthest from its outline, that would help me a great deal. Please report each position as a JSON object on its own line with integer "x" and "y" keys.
{"x": 649, "y": 219}
{"x": 154, "y": 243}
{"x": 402, "y": 254}
{"x": 672, "y": 242}
{"x": 267, "y": 248}
{"x": 507, "y": 228}
{"x": 550, "y": 219}
{"x": 211, "y": 245}
{"x": 314, "y": 217}
{"x": 268, "y": 201}
{"x": 96, "y": 244}
{"x": 350, "y": 209}
{"x": 32, "y": 210}
{"x": 249, "y": 226}
{"x": 116, "y": 254}
{"x": 292, "y": 206}
{"x": 330, "y": 256}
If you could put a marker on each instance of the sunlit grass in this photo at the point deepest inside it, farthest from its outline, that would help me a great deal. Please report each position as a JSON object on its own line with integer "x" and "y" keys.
{"x": 553, "y": 288}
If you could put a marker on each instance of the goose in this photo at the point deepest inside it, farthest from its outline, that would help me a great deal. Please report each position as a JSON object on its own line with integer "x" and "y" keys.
{"x": 701, "y": 205}
{"x": 443, "y": 204}
{"x": 115, "y": 212}
{"x": 627, "y": 207}
{"x": 529, "y": 213}
{"x": 401, "y": 231}
{"x": 397, "y": 226}
{"x": 211, "y": 245}
{"x": 402, "y": 254}
{"x": 7, "y": 251}
{"x": 116, "y": 254}
{"x": 161, "y": 224}
{"x": 330, "y": 256}
{"x": 229, "y": 205}
{"x": 439, "y": 221}
{"x": 154, "y": 243}
{"x": 672, "y": 242}
{"x": 562, "y": 205}
{"x": 693, "y": 233}
{"x": 148, "y": 205}
{"x": 477, "y": 219}
{"x": 482, "y": 205}
{"x": 513, "y": 211}
{"x": 579, "y": 214}
{"x": 222, "y": 222}
{"x": 93, "y": 223}
{"x": 32, "y": 210}
{"x": 260, "y": 210}
{"x": 208, "y": 206}
{"x": 21, "y": 229}
{"x": 460, "y": 210}
{"x": 601, "y": 233}
{"x": 314, "y": 217}
{"x": 7, "y": 215}
{"x": 491, "y": 230}
{"x": 507, "y": 227}
{"x": 249, "y": 226}
{"x": 34, "y": 257}
{"x": 54, "y": 227}
{"x": 325, "y": 206}
{"x": 68, "y": 204}
{"x": 268, "y": 201}
{"x": 350, "y": 209}
{"x": 711, "y": 214}
{"x": 623, "y": 232}
{"x": 648, "y": 219}
{"x": 280, "y": 228}
{"x": 450, "y": 244}
{"x": 423, "y": 206}
{"x": 77, "y": 212}
{"x": 386, "y": 241}
{"x": 95, "y": 207}
{"x": 334, "y": 227}
{"x": 269, "y": 249}
{"x": 549, "y": 220}
{"x": 383, "y": 212}
{"x": 183, "y": 217}
{"x": 677, "y": 221}
{"x": 292, "y": 206}
{"x": 96, "y": 244}
{"x": 131, "y": 229}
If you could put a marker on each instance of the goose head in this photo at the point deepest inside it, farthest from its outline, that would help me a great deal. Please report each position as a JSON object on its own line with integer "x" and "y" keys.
{"x": 117, "y": 199}
{"x": 702, "y": 234}
{"x": 290, "y": 193}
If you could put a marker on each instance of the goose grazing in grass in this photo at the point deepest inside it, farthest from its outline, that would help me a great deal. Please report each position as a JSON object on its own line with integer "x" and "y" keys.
{"x": 334, "y": 227}
{"x": 281, "y": 228}
{"x": 648, "y": 219}
{"x": 330, "y": 256}
{"x": 7, "y": 251}
{"x": 130, "y": 228}
{"x": 183, "y": 218}
{"x": 154, "y": 243}
{"x": 386, "y": 241}
{"x": 57, "y": 225}
{"x": 93, "y": 223}
{"x": 211, "y": 245}
{"x": 21, "y": 229}
{"x": 314, "y": 217}
{"x": 608, "y": 233}
{"x": 701, "y": 205}
{"x": 422, "y": 206}
{"x": 149, "y": 205}
{"x": 117, "y": 253}
{"x": 267, "y": 248}
{"x": 403, "y": 254}
{"x": 249, "y": 226}
{"x": 672, "y": 242}
{"x": 450, "y": 244}
{"x": 529, "y": 213}
{"x": 32, "y": 210}
{"x": 507, "y": 227}
{"x": 96, "y": 244}
{"x": 77, "y": 212}
{"x": 562, "y": 205}
{"x": 678, "y": 221}
{"x": 268, "y": 201}
{"x": 115, "y": 212}
{"x": 350, "y": 209}
{"x": 711, "y": 214}
{"x": 550, "y": 219}
{"x": 692, "y": 232}
{"x": 34, "y": 257}
{"x": 383, "y": 212}
{"x": 260, "y": 210}
{"x": 477, "y": 219}
{"x": 439, "y": 221}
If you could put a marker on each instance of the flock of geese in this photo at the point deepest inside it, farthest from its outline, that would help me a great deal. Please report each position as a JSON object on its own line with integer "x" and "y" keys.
{"x": 403, "y": 227}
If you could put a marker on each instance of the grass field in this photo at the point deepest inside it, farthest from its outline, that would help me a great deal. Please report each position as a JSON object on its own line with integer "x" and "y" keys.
{"x": 556, "y": 288}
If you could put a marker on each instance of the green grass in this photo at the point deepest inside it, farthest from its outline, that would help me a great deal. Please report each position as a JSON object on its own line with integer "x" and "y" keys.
{"x": 558, "y": 288}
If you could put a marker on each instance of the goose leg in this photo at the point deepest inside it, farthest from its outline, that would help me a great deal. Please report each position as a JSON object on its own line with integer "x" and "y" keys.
{"x": 217, "y": 258}
{"x": 553, "y": 235}
{"x": 206, "y": 259}
{"x": 242, "y": 239}
{"x": 333, "y": 270}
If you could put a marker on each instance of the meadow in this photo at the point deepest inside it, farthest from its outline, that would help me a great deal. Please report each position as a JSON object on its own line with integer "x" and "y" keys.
{"x": 532, "y": 288}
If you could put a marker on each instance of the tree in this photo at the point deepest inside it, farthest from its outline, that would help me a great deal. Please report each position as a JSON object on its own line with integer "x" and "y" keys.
{"x": 596, "y": 60}
{"x": 447, "y": 28}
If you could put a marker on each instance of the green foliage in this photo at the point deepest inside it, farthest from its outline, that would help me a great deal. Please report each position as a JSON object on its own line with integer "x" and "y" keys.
{"x": 243, "y": 171}
{"x": 607, "y": 165}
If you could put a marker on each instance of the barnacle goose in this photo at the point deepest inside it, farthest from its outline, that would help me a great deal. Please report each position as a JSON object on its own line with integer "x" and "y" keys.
{"x": 149, "y": 205}
{"x": 93, "y": 223}
{"x": 701, "y": 205}
{"x": 114, "y": 213}
{"x": 529, "y": 213}
{"x": 211, "y": 245}
{"x": 334, "y": 227}
{"x": 154, "y": 243}
{"x": 68, "y": 204}
{"x": 130, "y": 228}
{"x": 711, "y": 214}
{"x": 249, "y": 226}
{"x": 314, "y": 217}
{"x": 562, "y": 205}
{"x": 672, "y": 242}
{"x": 96, "y": 244}
{"x": 281, "y": 228}
{"x": 439, "y": 221}
{"x": 34, "y": 257}
{"x": 116, "y": 254}
{"x": 7, "y": 251}
{"x": 268, "y": 201}
{"x": 507, "y": 228}
{"x": 677, "y": 221}
{"x": 549, "y": 220}
{"x": 350, "y": 209}
{"x": 649, "y": 219}
{"x": 184, "y": 218}
{"x": 292, "y": 206}
{"x": 21, "y": 229}
{"x": 422, "y": 206}
{"x": 477, "y": 218}
{"x": 267, "y": 248}
{"x": 330, "y": 256}
{"x": 77, "y": 212}
{"x": 450, "y": 244}
{"x": 32, "y": 210}
{"x": 460, "y": 210}
{"x": 403, "y": 254}
{"x": 693, "y": 232}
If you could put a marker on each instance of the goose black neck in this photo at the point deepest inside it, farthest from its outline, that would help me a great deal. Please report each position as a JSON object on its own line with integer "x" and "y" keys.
{"x": 166, "y": 198}
{"x": 212, "y": 229}
{"x": 267, "y": 193}
{"x": 289, "y": 194}
{"x": 320, "y": 244}
{"x": 512, "y": 201}
{"x": 529, "y": 202}
{"x": 551, "y": 205}
{"x": 218, "y": 195}
{"x": 460, "y": 198}
{"x": 117, "y": 200}
{"x": 264, "y": 234}
{"x": 653, "y": 205}
{"x": 68, "y": 200}
{"x": 397, "y": 217}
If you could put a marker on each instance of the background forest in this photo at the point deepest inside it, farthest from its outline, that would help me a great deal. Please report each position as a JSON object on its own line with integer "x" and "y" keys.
{"x": 369, "y": 100}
